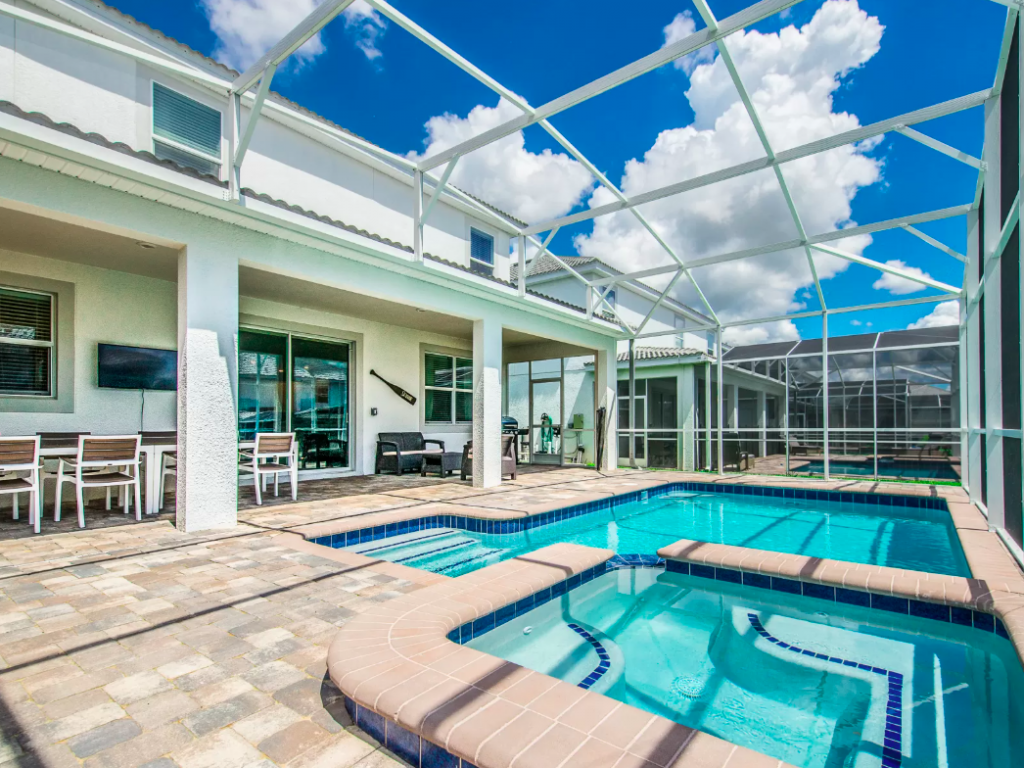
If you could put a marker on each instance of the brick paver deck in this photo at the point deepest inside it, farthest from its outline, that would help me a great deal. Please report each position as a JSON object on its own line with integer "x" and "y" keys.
{"x": 137, "y": 645}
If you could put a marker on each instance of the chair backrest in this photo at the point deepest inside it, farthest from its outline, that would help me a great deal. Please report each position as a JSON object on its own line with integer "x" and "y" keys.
{"x": 19, "y": 452}
{"x": 113, "y": 449}
{"x": 274, "y": 443}
{"x": 169, "y": 435}
{"x": 407, "y": 441}
{"x": 508, "y": 443}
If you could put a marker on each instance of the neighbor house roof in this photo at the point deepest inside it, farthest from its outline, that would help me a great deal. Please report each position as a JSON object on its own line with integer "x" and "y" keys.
{"x": 660, "y": 353}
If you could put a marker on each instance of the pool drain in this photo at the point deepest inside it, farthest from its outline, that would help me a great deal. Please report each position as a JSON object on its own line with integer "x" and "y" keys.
{"x": 694, "y": 685}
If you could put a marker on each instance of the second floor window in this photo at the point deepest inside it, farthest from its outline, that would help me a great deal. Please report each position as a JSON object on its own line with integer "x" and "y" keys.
{"x": 185, "y": 131}
{"x": 481, "y": 252}
{"x": 26, "y": 343}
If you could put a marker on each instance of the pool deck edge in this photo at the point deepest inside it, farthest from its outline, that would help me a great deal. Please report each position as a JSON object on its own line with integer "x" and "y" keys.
{"x": 396, "y": 664}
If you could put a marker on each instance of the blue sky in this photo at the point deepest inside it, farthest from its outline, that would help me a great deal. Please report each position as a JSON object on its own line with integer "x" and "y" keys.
{"x": 542, "y": 49}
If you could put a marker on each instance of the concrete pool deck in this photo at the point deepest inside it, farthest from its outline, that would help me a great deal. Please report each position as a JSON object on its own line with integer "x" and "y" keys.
{"x": 140, "y": 645}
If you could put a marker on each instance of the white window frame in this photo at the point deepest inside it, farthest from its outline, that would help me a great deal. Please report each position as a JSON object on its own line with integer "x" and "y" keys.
{"x": 452, "y": 390}
{"x": 50, "y": 345}
{"x": 218, "y": 158}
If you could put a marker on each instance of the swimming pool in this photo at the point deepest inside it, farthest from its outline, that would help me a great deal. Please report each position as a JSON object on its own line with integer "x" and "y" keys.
{"x": 912, "y": 470}
{"x": 812, "y": 682}
{"x": 830, "y": 525}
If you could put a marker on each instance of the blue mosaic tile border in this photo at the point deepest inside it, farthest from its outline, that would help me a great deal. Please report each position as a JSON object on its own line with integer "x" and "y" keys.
{"x": 892, "y": 747}
{"x": 475, "y": 525}
{"x": 605, "y": 660}
{"x": 410, "y": 746}
{"x": 966, "y": 617}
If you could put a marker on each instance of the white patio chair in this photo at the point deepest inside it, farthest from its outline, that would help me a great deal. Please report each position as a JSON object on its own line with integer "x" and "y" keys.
{"x": 17, "y": 455}
{"x": 102, "y": 462}
{"x": 270, "y": 447}
{"x": 168, "y": 463}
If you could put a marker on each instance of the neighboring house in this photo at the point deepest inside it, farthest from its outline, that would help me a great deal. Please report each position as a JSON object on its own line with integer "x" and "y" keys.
{"x": 119, "y": 224}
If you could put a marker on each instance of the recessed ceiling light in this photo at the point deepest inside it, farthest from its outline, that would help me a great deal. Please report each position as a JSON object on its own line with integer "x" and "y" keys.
{"x": 147, "y": 246}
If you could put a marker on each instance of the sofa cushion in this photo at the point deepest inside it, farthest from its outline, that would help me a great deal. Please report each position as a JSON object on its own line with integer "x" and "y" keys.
{"x": 406, "y": 441}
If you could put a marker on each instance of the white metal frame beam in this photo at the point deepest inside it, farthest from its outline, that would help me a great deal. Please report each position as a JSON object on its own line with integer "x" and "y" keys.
{"x": 936, "y": 243}
{"x": 652, "y": 61}
{"x": 806, "y": 150}
{"x": 939, "y": 146}
{"x": 896, "y": 271}
{"x": 513, "y": 98}
{"x": 709, "y": 18}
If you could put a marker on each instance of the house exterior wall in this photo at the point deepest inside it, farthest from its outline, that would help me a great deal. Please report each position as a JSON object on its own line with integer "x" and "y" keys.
{"x": 110, "y": 307}
{"x": 110, "y": 93}
{"x": 631, "y": 304}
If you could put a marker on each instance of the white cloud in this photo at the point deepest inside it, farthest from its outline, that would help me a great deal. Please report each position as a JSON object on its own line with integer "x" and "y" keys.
{"x": 791, "y": 76}
{"x": 945, "y": 313}
{"x": 856, "y": 322}
{"x": 531, "y": 185}
{"x": 682, "y": 26}
{"x": 367, "y": 25}
{"x": 898, "y": 285}
{"x": 246, "y": 29}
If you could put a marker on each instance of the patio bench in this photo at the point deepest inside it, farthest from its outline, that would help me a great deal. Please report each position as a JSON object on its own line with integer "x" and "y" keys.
{"x": 401, "y": 451}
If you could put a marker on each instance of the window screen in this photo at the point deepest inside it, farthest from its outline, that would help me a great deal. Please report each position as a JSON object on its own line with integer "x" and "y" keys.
{"x": 26, "y": 343}
{"x": 481, "y": 247}
{"x": 184, "y": 130}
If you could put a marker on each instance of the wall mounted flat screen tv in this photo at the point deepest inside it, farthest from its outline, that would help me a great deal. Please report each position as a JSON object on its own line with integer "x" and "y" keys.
{"x": 137, "y": 368}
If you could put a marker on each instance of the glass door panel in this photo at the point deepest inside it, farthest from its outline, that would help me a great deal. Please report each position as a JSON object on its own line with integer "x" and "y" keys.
{"x": 262, "y": 383}
{"x": 320, "y": 403}
{"x": 546, "y": 397}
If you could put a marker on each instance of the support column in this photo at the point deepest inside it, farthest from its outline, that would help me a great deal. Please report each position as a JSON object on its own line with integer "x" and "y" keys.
{"x": 606, "y": 396}
{"x": 824, "y": 390}
{"x": 207, "y": 479}
{"x": 721, "y": 400}
{"x": 707, "y": 416}
{"x": 686, "y": 388}
{"x": 992, "y": 279}
{"x": 762, "y": 422}
{"x": 734, "y": 406}
{"x": 632, "y": 404}
{"x": 486, "y": 403}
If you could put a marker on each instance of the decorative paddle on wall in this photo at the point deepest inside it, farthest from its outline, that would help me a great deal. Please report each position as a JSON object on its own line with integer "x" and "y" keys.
{"x": 396, "y": 389}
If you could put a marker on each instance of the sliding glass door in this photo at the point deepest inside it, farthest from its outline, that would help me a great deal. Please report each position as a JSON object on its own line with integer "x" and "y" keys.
{"x": 289, "y": 383}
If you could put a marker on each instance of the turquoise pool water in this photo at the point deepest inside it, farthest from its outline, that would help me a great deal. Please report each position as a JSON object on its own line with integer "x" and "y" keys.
{"x": 698, "y": 653}
{"x": 901, "y": 537}
{"x": 911, "y": 470}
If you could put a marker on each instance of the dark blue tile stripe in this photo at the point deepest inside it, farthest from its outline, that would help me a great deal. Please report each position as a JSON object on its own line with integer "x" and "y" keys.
{"x": 892, "y": 748}
{"x": 460, "y": 522}
{"x": 604, "y": 663}
{"x": 411, "y": 747}
{"x": 980, "y": 620}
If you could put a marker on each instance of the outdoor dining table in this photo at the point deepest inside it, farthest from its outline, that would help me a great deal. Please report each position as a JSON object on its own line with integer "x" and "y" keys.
{"x": 152, "y": 450}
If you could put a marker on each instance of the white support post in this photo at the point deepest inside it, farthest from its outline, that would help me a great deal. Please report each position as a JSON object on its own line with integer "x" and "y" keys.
{"x": 970, "y": 354}
{"x": 934, "y": 243}
{"x": 521, "y": 281}
{"x": 254, "y": 116}
{"x": 686, "y": 392}
{"x": 207, "y": 478}
{"x": 734, "y": 407}
{"x": 417, "y": 216}
{"x": 824, "y": 389}
{"x": 234, "y": 130}
{"x": 992, "y": 226}
{"x": 487, "y": 403}
{"x": 721, "y": 400}
{"x": 438, "y": 190}
{"x": 762, "y": 422}
{"x": 606, "y": 363}
{"x": 632, "y": 403}
{"x": 707, "y": 416}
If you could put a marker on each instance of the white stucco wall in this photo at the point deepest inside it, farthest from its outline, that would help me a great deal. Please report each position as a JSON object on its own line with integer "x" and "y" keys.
{"x": 111, "y": 307}
{"x": 109, "y": 93}
{"x": 121, "y": 308}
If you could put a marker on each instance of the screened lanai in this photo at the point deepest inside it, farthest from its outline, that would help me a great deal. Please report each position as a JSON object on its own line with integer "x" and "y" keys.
{"x": 888, "y": 408}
